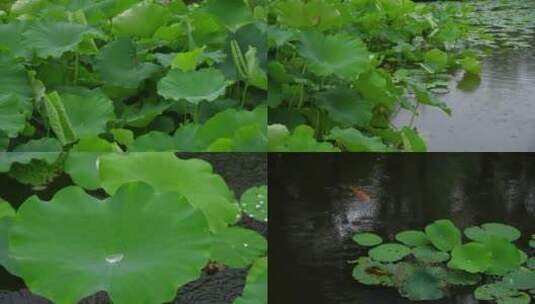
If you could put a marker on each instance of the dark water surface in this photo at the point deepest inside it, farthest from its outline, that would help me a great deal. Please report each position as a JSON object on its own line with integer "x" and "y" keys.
{"x": 313, "y": 213}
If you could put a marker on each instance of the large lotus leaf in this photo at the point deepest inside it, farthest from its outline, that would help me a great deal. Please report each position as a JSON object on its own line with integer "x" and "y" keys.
{"x": 184, "y": 139}
{"x": 443, "y": 235}
{"x": 344, "y": 56}
{"x": 141, "y": 114}
{"x": 412, "y": 238}
{"x": 428, "y": 254}
{"x": 367, "y": 239}
{"x": 501, "y": 294}
{"x": 346, "y": 107}
{"x": 254, "y": 203}
{"x": 354, "y": 141}
{"x": 52, "y": 39}
{"x": 422, "y": 285}
{"x": 5, "y": 209}
{"x": 89, "y": 111}
{"x": 389, "y": 252}
{"x": 117, "y": 64}
{"x": 193, "y": 178}
{"x": 301, "y": 140}
{"x": 522, "y": 279}
{"x": 482, "y": 233}
{"x": 471, "y": 257}
{"x": 194, "y": 86}
{"x": 256, "y": 284}
{"x": 436, "y": 59}
{"x": 307, "y": 15}
{"x": 128, "y": 22}
{"x": 14, "y": 78}
{"x": 10, "y": 34}
{"x": 46, "y": 149}
{"x": 238, "y": 247}
{"x": 231, "y": 13}
{"x": 13, "y": 111}
{"x": 138, "y": 245}
{"x": 505, "y": 256}
{"x": 369, "y": 272}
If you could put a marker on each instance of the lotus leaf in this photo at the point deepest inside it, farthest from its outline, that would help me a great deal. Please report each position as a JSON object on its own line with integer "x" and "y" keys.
{"x": 238, "y": 247}
{"x": 346, "y": 107}
{"x": 5, "y": 209}
{"x": 309, "y": 15}
{"x": 254, "y": 203}
{"x": 13, "y": 113}
{"x": 256, "y": 285}
{"x": 192, "y": 178}
{"x": 14, "y": 79}
{"x": 367, "y": 239}
{"x": 389, "y": 252}
{"x": 429, "y": 254}
{"x": 338, "y": 54}
{"x": 194, "y": 86}
{"x": 531, "y": 263}
{"x": 105, "y": 247}
{"x": 436, "y": 59}
{"x": 231, "y": 13}
{"x": 505, "y": 256}
{"x": 354, "y": 141}
{"x": 301, "y": 140}
{"x": 412, "y": 238}
{"x": 501, "y": 294}
{"x": 471, "y": 257}
{"x": 522, "y": 279}
{"x": 422, "y": 285}
{"x": 482, "y": 233}
{"x": 128, "y": 22}
{"x": 369, "y": 272}
{"x": 443, "y": 235}
{"x": 46, "y": 149}
{"x": 459, "y": 277}
{"x": 10, "y": 34}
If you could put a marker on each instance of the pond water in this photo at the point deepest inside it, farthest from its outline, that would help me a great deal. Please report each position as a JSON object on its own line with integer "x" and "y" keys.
{"x": 313, "y": 213}
{"x": 497, "y": 111}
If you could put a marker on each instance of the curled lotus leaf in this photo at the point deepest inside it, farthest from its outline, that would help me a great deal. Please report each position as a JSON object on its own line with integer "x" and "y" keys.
{"x": 389, "y": 252}
{"x": 367, "y": 239}
{"x": 485, "y": 231}
{"x": 471, "y": 257}
{"x": 443, "y": 235}
{"x": 369, "y": 272}
{"x": 138, "y": 245}
{"x": 254, "y": 203}
{"x": 412, "y": 238}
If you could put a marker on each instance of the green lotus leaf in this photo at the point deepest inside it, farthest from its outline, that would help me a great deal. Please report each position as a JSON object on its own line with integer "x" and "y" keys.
{"x": 14, "y": 79}
{"x": 501, "y": 294}
{"x": 346, "y": 107}
{"x": 505, "y": 256}
{"x": 436, "y": 59}
{"x": 367, "y": 239}
{"x": 428, "y": 254}
{"x": 13, "y": 113}
{"x": 89, "y": 111}
{"x": 308, "y": 15}
{"x": 344, "y": 56}
{"x": 21, "y": 7}
{"x": 140, "y": 115}
{"x": 187, "y": 61}
{"x": 482, "y": 233}
{"x": 443, "y": 235}
{"x": 369, "y": 272}
{"x": 412, "y": 238}
{"x": 192, "y": 178}
{"x": 254, "y": 203}
{"x": 354, "y": 141}
{"x": 522, "y": 279}
{"x": 422, "y": 285}
{"x": 128, "y": 22}
{"x": 57, "y": 118}
{"x": 301, "y": 140}
{"x": 471, "y": 257}
{"x": 5, "y": 209}
{"x": 459, "y": 277}
{"x": 238, "y": 247}
{"x": 138, "y": 245}
{"x": 117, "y": 65}
{"x": 412, "y": 141}
{"x": 231, "y": 13}
{"x": 531, "y": 263}
{"x": 10, "y": 34}
{"x": 423, "y": 96}
{"x": 154, "y": 141}
{"x": 52, "y": 39}
{"x": 37, "y": 173}
{"x": 194, "y": 86}
{"x": 256, "y": 284}
{"x": 389, "y": 252}
{"x": 46, "y": 149}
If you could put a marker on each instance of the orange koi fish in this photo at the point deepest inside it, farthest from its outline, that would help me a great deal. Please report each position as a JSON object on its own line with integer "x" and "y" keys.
{"x": 361, "y": 195}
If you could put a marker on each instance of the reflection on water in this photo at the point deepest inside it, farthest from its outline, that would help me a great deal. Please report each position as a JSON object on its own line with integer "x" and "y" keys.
{"x": 314, "y": 213}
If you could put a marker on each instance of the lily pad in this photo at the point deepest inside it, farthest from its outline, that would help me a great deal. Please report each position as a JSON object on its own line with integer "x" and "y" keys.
{"x": 501, "y": 294}
{"x": 194, "y": 86}
{"x": 254, "y": 202}
{"x": 367, "y": 239}
{"x": 256, "y": 284}
{"x": 193, "y": 178}
{"x": 138, "y": 245}
{"x": 522, "y": 279}
{"x": 369, "y": 272}
{"x": 443, "y": 235}
{"x": 505, "y": 256}
{"x": 428, "y": 254}
{"x": 471, "y": 257}
{"x": 459, "y": 277}
{"x": 422, "y": 285}
{"x": 531, "y": 263}
{"x": 412, "y": 238}
{"x": 389, "y": 252}
{"x": 482, "y": 233}
{"x": 237, "y": 247}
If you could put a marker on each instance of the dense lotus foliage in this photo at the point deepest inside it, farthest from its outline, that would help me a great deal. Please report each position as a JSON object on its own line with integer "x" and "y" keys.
{"x": 154, "y": 224}
{"x": 138, "y": 75}
{"x": 431, "y": 264}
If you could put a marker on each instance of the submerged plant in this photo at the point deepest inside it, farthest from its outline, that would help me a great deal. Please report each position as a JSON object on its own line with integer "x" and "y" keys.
{"x": 430, "y": 263}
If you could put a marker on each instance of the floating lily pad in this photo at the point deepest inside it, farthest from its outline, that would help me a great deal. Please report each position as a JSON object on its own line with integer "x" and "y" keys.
{"x": 459, "y": 277}
{"x": 482, "y": 233}
{"x": 367, "y": 239}
{"x": 412, "y": 238}
{"x": 194, "y": 86}
{"x": 501, "y": 294}
{"x": 369, "y": 272}
{"x": 193, "y": 178}
{"x": 389, "y": 252}
{"x": 138, "y": 245}
{"x": 443, "y": 235}
{"x": 422, "y": 285}
{"x": 254, "y": 202}
{"x": 531, "y": 262}
{"x": 237, "y": 247}
{"x": 256, "y": 284}
{"x": 505, "y": 256}
{"x": 522, "y": 279}
{"x": 472, "y": 257}
{"x": 429, "y": 254}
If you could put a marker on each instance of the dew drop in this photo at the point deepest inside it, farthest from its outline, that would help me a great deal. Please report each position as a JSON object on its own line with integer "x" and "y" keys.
{"x": 114, "y": 258}
{"x": 245, "y": 245}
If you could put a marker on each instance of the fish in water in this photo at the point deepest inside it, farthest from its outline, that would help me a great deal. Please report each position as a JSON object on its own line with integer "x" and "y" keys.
{"x": 360, "y": 194}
